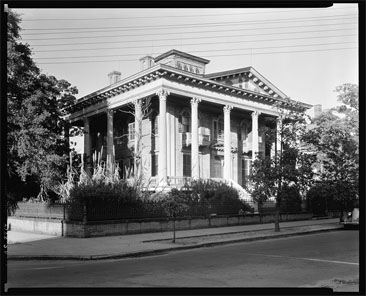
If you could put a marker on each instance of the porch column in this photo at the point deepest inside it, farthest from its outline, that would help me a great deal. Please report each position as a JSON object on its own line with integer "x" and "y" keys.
{"x": 278, "y": 135}
{"x": 86, "y": 155}
{"x": 137, "y": 146}
{"x": 162, "y": 159}
{"x": 194, "y": 145}
{"x": 255, "y": 141}
{"x": 110, "y": 133}
{"x": 227, "y": 142}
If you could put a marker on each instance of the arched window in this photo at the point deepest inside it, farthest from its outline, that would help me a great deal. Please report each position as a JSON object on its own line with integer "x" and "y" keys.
{"x": 218, "y": 128}
{"x": 185, "y": 121}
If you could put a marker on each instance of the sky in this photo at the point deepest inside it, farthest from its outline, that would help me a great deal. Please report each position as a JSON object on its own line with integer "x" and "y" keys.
{"x": 305, "y": 52}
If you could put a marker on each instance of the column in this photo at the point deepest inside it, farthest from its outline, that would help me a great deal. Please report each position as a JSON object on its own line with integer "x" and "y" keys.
{"x": 87, "y": 144}
{"x": 227, "y": 142}
{"x": 278, "y": 135}
{"x": 194, "y": 133}
{"x": 137, "y": 140}
{"x": 173, "y": 143}
{"x": 255, "y": 139}
{"x": 162, "y": 158}
{"x": 168, "y": 141}
{"x": 110, "y": 133}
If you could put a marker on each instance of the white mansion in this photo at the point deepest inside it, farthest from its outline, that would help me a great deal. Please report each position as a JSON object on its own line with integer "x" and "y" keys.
{"x": 199, "y": 125}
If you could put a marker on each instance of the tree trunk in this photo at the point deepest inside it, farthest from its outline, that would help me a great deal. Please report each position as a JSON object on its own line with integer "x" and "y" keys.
{"x": 174, "y": 230}
{"x": 277, "y": 217}
{"x": 260, "y": 212}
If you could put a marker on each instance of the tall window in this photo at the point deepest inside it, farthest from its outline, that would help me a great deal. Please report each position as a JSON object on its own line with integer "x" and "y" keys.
{"x": 187, "y": 170}
{"x": 185, "y": 122}
{"x": 154, "y": 165}
{"x": 218, "y": 128}
{"x": 244, "y": 129}
{"x": 154, "y": 124}
{"x": 131, "y": 131}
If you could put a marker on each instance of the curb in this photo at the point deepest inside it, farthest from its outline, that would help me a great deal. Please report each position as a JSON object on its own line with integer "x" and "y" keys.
{"x": 167, "y": 250}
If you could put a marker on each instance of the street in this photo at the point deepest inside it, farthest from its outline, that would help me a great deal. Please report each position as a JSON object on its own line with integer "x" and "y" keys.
{"x": 300, "y": 261}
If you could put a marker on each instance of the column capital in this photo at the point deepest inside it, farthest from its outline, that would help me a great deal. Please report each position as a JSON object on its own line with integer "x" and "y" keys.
{"x": 110, "y": 112}
{"x": 162, "y": 93}
{"x": 195, "y": 101}
{"x": 255, "y": 113}
{"x": 228, "y": 108}
{"x": 137, "y": 103}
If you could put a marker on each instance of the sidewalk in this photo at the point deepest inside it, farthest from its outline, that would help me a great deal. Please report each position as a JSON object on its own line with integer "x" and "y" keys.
{"x": 29, "y": 246}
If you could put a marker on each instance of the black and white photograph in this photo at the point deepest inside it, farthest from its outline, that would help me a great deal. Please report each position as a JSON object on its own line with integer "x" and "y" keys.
{"x": 181, "y": 147}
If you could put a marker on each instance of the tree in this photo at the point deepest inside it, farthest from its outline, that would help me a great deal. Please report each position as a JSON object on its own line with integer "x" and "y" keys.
{"x": 334, "y": 137}
{"x": 289, "y": 169}
{"x": 174, "y": 204}
{"x": 37, "y": 134}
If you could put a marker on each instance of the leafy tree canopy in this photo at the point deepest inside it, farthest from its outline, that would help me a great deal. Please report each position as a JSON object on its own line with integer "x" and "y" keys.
{"x": 334, "y": 137}
{"x": 36, "y": 144}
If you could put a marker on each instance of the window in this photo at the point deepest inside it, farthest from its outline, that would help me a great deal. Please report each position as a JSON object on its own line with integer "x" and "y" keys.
{"x": 154, "y": 165}
{"x": 154, "y": 124}
{"x": 185, "y": 122}
{"x": 215, "y": 130}
{"x": 187, "y": 165}
{"x": 218, "y": 128}
{"x": 244, "y": 130}
{"x": 131, "y": 131}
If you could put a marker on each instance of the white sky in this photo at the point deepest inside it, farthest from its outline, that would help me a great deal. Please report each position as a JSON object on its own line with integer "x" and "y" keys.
{"x": 306, "y": 52}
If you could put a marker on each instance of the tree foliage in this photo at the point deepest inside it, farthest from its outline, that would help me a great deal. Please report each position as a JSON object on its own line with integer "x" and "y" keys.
{"x": 37, "y": 143}
{"x": 290, "y": 168}
{"x": 334, "y": 137}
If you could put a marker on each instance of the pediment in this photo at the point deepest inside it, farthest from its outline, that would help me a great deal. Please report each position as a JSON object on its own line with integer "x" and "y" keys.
{"x": 249, "y": 79}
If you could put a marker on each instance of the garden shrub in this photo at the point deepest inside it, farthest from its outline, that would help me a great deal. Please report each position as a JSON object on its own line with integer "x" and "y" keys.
{"x": 290, "y": 199}
{"x": 320, "y": 199}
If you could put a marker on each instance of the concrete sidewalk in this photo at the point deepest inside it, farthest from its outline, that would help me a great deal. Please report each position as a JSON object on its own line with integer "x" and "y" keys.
{"x": 28, "y": 246}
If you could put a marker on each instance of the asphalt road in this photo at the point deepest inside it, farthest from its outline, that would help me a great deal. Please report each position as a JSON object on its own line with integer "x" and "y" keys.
{"x": 300, "y": 261}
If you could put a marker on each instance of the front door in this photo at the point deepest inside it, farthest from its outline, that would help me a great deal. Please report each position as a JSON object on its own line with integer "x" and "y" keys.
{"x": 217, "y": 167}
{"x": 246, "y": 167}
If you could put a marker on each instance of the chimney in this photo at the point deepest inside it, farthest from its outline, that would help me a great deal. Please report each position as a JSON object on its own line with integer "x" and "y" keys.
{"x": 114, "y": 77}
{"x": 147, "y": 62}
{"x": 317, "y": 110}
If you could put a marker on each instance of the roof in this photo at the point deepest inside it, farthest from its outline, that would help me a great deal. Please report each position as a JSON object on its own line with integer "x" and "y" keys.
{"x": 182, "y": 54}
{"x": 172, "y": 73}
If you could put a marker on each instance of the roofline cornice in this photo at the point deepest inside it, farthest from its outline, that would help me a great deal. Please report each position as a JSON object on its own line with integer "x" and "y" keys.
{"x": 161, "y": 70}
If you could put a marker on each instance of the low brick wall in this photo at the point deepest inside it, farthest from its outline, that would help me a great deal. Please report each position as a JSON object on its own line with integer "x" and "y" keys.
{"x": 105, "y": 228}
